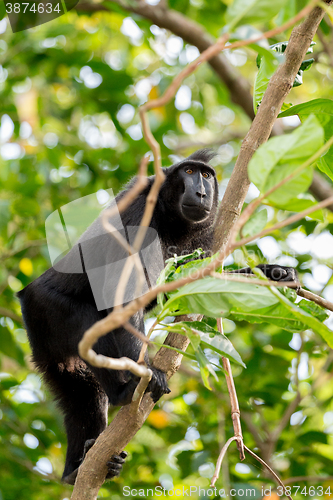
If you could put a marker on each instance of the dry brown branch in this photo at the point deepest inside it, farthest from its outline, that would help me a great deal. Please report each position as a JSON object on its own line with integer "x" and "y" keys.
{"x": 315, "y": 298}
{"x": 276, "y": 477}
{"x": 235, "y": 414}
{"x": 133, "y": 259}
{"x": 235, "y": 411}
{"x": 205, "y": 56}
{"x": 220, "y": 460}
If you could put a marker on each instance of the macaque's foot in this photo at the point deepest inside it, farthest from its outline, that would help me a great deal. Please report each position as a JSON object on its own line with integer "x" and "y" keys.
{"x": 158, "y": 385}
{"x": 115, "y": 464}
{"x": 275, "y": 272}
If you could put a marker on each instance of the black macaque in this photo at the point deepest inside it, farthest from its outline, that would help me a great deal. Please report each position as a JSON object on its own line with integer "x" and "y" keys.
{"x": 58, "y": 307}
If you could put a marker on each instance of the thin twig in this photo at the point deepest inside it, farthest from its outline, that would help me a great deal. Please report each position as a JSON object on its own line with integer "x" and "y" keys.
{"x": 140, "y": 390}
{"x": 220, "y": 459}
{"x": 235, "y": 411}
{"x": 326, "y": 46}
{"x": 124, "y": 202}
{"x": 134, "y": 331}
{"x": 315, "y": 298}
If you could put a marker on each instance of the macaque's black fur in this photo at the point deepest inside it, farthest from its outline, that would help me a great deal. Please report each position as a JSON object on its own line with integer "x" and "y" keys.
{"x": 59, "y": 307}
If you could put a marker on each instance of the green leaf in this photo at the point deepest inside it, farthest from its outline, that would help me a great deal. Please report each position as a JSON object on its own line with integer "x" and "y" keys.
{"x": 208, "y": 337}
{"x": 286, "y": 105}
{"x": 163, "y": 278}
{"x": 280, "y": 156}
{"x": 216, "y": 297}
{"x": 8, "y": 382}
{"x": 244, "y": 302}
{"x": 183, "y": 353}
{"x": 205, "y": 366}
{"x": 305, "y": 317}
{"x": 313, "y": 309}
{"x": 174, "y": 266}
{"x": 255, "y": 224}
{"x": 276, "y": 314}
{"x": 323, "y": 111}
{"x": 252, "y": 11}
{"x": 181, "y": 259}
{"x": 267, "y": 67}
{"x": 265, "y": 73}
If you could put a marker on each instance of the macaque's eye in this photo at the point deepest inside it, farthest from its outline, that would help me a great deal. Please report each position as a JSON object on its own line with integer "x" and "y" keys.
{"x": 189, "y": 171}
{"x": 206, "y": 175}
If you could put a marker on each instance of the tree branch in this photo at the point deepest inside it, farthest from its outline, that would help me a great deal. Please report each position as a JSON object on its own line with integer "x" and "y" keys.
{"x": 315, "y": 298}
{"x": 125, "y": 425}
